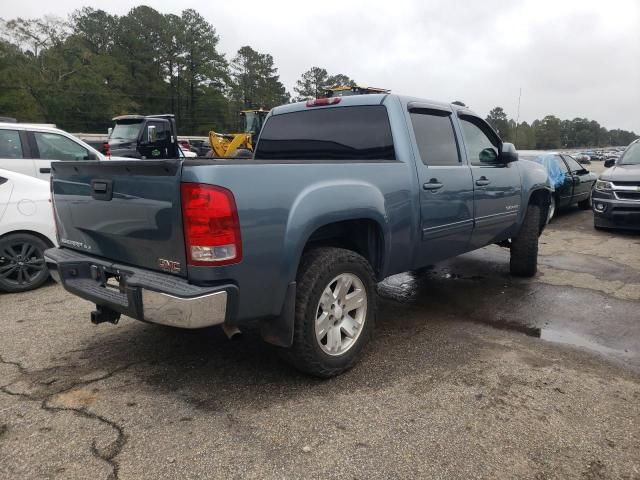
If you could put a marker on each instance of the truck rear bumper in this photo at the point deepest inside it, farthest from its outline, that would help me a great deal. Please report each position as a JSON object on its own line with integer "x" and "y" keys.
{"x": 141, "y": 294}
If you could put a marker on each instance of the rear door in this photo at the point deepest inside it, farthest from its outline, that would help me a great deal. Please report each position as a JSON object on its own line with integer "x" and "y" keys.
{"x": 497, "y": 190}
{"x": 126, "y": 211}
{"x": 15, "y": 154}
{"x": 50, "y": 146}
{"x": 446, "y": 190}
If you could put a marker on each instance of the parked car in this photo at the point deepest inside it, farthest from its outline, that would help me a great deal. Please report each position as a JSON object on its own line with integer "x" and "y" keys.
{"x": 341, "y": 193}
{"x": 581, "y": 158}
{"x": 30, "y": 148}
{"x": 616, "y": 198}
{"x": 572, "y": 183}
{"x": 26, "y": 231}
{"x": 201, "y": 147}
{"x": 187, "y": 153}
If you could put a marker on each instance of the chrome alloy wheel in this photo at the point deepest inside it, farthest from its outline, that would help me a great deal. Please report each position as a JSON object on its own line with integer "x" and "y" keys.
{"x": 341, "y": 314}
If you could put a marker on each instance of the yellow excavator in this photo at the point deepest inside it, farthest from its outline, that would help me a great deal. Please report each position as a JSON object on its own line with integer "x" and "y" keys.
{"x": 239, "y": 144}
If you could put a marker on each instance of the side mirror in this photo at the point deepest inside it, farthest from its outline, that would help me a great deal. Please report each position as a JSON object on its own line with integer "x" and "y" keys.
{"x": 509, "y": 153}
{"x": 609, "y": 163}
{"x": 91, "y": 156}
{"x": 152, "y": 134}
{"x": 488, "y": 155}
{"x": 109, "y": 130}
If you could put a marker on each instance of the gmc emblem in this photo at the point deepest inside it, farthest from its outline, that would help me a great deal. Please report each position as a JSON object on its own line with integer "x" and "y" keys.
{"x": 169, "y": 265}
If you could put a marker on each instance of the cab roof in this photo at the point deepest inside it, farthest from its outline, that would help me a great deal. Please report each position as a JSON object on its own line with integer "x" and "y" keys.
{"x": 377, "y": 99}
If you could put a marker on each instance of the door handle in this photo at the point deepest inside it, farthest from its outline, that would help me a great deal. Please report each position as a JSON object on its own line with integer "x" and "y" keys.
{"x": 483, "y": 181}
{"x": 432, "y": 185}
{"x": 45, "y": 170}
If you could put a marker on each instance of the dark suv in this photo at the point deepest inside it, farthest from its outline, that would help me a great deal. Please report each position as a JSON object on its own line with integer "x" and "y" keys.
{"x": 616, "y": 198}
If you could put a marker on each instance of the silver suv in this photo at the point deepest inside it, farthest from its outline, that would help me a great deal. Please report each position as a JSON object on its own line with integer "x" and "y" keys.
{"x": 30, "y": 148}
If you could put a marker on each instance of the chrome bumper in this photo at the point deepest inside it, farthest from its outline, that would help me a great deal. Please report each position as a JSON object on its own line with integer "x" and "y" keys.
{"x": 197, "y": 312}
{"x": 141, "y": 294}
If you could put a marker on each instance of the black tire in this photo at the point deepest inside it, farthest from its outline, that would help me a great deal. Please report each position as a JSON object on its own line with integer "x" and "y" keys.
{"x": 587, "y": 203}
{"x": 22, "y": 265}
{"x": 317, "y": 269}
{"x": 524, "y": 247}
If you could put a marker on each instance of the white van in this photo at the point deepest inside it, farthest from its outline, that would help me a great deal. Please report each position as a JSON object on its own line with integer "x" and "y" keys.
{"x": 30, "y": 148}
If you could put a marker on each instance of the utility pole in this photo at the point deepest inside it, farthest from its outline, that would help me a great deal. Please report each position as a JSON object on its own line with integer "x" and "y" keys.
{"x": 515, "y": 140}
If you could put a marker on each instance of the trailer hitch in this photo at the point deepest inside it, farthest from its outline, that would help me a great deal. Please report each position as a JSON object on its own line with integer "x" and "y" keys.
{"x": 104, "y": 314}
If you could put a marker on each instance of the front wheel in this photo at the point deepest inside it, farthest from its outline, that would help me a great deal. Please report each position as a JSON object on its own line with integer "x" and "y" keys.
{"x": 335, "y": 312}
{"x": 524, "y": 247}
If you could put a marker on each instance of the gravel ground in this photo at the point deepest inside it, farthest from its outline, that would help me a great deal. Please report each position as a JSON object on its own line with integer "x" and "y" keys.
{"x": 441, "y": 392}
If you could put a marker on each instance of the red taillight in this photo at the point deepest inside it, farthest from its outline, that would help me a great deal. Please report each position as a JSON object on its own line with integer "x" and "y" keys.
{"x": 319, "y": 102}
{"x": 211, "y": 225}
{"x": 106, "y": 148}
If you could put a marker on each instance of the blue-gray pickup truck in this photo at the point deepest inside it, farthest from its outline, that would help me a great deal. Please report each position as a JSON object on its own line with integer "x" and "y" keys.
{"x": 341, "y": 193}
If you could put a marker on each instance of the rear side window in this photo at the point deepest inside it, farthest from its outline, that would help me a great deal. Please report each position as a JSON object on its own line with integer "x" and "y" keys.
{"x": 10, "y": 145}
{"x": 344, "y": 133}
{"x": 435, "y": 137}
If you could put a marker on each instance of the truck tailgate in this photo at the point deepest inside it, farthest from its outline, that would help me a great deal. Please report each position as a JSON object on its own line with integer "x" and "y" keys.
{"x": 125, "y": 211}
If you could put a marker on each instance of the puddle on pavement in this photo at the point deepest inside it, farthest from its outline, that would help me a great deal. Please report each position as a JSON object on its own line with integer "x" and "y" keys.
{"x": 570, "y": 338}
{"x": 408, "y": 287}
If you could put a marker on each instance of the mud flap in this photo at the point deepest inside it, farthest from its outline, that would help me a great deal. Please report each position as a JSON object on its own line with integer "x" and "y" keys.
{"x": 278, "y": 330}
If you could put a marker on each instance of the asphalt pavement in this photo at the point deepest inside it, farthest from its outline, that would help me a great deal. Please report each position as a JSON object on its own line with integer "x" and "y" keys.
{"x": 472, "y": 374}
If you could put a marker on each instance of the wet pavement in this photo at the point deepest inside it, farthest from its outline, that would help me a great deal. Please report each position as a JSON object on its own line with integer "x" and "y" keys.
{"x": 472, "y": 374}
{"x": 586, "y": 294}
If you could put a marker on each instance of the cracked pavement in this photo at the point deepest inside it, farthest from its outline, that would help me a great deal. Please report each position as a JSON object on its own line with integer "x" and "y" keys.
{"x": 441, "y": 392}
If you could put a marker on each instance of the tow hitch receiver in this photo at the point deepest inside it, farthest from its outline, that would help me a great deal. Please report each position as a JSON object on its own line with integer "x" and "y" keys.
{"x": 104, "y": 314}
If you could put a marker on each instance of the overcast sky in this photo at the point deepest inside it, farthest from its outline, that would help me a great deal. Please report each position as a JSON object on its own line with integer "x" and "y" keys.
{"x": 571, "y": 58}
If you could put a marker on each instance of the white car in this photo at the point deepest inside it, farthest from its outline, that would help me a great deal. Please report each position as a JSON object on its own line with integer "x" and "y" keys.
{"x": 187, "y": 153}
{"x": 30, "y": 148}
{"x": 27, "y": 229}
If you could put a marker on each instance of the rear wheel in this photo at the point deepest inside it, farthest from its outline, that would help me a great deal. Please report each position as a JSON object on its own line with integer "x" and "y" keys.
{"x": 335, "y": 312}
{"x": 524, "y": 247}
{"x": 22, "y": 265}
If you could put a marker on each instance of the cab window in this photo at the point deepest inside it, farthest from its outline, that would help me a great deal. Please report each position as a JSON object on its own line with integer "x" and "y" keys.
{"x": 10, "y": 145}
{"x": 57, "y": 147}
{"x": 574, "y": 166}
{"x": 481, "y": 143}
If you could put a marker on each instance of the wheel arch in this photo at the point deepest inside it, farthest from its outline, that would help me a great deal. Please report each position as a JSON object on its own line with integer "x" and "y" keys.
{"x": 35, "y": 233}
{"x": 542, "y": 198}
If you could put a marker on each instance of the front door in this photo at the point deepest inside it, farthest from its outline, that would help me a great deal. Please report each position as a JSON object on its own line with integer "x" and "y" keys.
{"x": 582, "y": 181}
{"x": 497, "y": 191}
{"x": 446, "y": 191}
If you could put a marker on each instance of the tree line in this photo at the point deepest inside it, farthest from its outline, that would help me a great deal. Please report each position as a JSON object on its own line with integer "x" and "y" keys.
{"x": 80, "y": 72}
{"x": 551, "y": 133}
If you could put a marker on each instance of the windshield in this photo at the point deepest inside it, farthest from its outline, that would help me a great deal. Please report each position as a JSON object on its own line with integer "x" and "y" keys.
{"x": 632, "y": 155}
{"x": 126, "y": 131}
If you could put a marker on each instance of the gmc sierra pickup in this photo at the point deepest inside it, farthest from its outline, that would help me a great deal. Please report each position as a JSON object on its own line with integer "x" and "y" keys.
{"x": 341, "y": 193}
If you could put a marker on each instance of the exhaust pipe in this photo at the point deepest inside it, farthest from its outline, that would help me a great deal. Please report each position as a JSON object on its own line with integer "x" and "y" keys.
{"x": 104, "y": 314}
{"x": 231, "y": 331}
